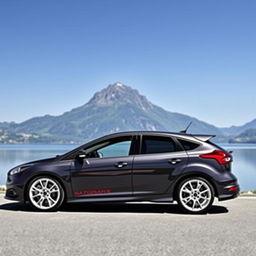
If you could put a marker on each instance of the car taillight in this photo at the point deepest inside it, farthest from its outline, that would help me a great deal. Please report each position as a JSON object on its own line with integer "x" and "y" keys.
{"x": 233, "y": 188}
{"x": 220, "y": 156}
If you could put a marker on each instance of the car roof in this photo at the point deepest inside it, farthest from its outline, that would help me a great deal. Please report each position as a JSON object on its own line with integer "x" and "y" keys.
{"x": 142, "y": 132}
{"x": 202, "y": 137}
{"x": 151, "y": 133}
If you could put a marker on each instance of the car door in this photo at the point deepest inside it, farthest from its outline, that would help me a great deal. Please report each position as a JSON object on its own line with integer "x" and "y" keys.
{"x": 105, "y": 171}
{"x": 160, "y": 158}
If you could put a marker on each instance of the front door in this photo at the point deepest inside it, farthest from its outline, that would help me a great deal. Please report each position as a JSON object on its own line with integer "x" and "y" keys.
{"x": 105, "y": 171}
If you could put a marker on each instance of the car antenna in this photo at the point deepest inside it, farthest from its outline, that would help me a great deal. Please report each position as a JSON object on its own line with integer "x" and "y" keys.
{"x": 185, "y": 131}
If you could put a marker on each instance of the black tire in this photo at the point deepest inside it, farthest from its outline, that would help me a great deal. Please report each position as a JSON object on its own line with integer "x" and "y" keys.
{"x": 50, "y": 193}
{"x": 197, "y": 201}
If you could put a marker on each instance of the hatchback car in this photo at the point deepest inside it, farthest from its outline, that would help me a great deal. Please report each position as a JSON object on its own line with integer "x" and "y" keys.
{"x": 129, "y": 166}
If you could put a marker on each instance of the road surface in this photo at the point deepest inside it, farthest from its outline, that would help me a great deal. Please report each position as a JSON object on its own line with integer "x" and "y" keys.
{"x": 128, "y": 229}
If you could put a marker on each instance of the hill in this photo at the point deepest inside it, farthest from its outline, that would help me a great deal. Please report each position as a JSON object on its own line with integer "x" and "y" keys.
{"x": 115, "y": 108}
{"x": 248, "y": 136}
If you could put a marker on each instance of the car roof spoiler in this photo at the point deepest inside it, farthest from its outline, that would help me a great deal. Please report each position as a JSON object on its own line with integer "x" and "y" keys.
{"x": 203, "y": 137}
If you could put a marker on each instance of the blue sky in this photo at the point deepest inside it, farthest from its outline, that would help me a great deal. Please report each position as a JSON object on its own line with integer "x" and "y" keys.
{"x": 193, "y": 57}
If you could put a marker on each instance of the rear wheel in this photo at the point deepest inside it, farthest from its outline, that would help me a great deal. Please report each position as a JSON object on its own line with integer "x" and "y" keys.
{"x": 45, "y": 194}
{"x": 195, "y": 195}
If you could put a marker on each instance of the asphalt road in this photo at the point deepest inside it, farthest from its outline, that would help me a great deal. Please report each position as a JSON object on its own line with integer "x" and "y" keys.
{"x": 128, "y": 229}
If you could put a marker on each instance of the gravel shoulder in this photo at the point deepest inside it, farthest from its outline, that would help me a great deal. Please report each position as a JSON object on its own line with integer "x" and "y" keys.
{"x": 129, "y": 229}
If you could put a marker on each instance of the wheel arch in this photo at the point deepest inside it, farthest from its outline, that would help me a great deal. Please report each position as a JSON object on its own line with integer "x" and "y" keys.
{"x": 44, "y": 174}
{"x": 191, "y": 175}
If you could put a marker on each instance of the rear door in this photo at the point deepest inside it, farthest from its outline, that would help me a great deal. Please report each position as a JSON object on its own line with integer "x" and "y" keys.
{"x": 160, "y": 158}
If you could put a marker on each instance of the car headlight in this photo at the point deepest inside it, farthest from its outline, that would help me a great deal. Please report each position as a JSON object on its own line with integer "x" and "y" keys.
{"x": 19, "y": 169}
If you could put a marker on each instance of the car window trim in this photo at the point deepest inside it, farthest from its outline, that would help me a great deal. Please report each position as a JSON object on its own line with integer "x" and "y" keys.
{"x": 75, "y": 151}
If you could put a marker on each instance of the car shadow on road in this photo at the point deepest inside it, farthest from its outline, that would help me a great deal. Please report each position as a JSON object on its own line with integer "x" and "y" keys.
{"x": 114, "y": 208}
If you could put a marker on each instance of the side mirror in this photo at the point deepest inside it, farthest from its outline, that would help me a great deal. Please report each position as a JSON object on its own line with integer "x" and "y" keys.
{"x": 81, "y": 156}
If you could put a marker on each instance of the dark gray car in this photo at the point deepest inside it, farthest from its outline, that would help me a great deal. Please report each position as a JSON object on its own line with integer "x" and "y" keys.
{"x": 130, "y": 166}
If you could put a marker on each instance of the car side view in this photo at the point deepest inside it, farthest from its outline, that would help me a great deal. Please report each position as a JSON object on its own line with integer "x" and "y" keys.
{"x": 129, "y": 166}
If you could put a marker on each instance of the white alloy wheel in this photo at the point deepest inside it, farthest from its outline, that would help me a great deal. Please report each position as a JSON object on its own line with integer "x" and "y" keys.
{"x": 45, "y": 193}
{"x": 195, "y": 195}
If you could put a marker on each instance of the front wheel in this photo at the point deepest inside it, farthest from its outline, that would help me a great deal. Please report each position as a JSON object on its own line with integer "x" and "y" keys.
{"x": 195, "y": 195}
{"x": 45, "y": 194}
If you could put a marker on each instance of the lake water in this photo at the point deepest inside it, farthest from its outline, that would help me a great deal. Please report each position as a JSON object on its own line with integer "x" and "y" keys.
{"x": 244, "y": 165}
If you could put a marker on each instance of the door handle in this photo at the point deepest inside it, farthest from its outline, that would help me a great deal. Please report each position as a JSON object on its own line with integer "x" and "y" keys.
{"x": 174, "y": 160}
{"x": 121, "y": 164}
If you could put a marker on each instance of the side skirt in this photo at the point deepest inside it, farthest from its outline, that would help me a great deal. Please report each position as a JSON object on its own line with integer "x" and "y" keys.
{"x": 152, "y": 198}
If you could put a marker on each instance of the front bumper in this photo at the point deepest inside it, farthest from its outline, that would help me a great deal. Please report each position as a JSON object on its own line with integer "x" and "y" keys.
{"x": 15, "y": 187}
{"x": 14, "y": 192}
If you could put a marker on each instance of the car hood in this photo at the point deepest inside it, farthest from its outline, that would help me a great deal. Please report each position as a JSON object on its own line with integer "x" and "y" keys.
{"x": 46, "y": 160}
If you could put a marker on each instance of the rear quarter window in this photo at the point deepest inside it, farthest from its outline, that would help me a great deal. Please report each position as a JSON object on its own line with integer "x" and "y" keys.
{"x": 188, "y": 145}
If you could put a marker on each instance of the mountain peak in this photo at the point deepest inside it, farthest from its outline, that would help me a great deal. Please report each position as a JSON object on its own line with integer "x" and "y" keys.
{"x": 119, "y": 94}
{"x": 117, "y": 84}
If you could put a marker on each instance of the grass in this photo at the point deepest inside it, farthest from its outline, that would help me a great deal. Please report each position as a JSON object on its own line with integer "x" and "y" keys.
{"x": 250, "y": 192}
{"x": 2, "y": 189}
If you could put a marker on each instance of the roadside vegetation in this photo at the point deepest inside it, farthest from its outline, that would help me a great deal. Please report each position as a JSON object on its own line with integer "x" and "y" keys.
{"x": 250, "y": 192}
{"x": 2, "y": 188}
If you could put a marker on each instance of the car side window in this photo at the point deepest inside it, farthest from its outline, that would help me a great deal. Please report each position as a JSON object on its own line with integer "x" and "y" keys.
{"x": 188, "y": 145}
{"x": 157, "y": 144}
{"x": 112, "y": 148}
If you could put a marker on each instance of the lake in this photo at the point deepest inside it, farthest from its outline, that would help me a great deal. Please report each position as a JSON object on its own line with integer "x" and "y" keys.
{"x": 244, "y": 165}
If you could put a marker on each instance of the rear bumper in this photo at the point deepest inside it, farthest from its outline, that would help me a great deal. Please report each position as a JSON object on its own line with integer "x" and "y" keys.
{"x": 228, "y": 190}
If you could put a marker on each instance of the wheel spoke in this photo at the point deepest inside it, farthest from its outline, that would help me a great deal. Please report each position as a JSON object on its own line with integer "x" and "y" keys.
{"x": 46, "y": 183}
{"x": 203, "y": 197}
{"x": 186, "y": 190}
{"x": 187, "y": 199}
{"x": 194, "y": 204}
{"x": 36, "y": 195}
{"x": 206, "y": 190}
{"x": 199, "y": 185}
{"x": 52, "y": 187}
{"x": 199, "y": 203}
{"x": 50, "y": 198}
{"x": 190, "y": 184}
{"x": 41, "y": 183}
{"x": 54, "y": 191}
{"x": 50, "y": 202}
{"x": 40, "y": 201}
{"x": 35, "y": 189}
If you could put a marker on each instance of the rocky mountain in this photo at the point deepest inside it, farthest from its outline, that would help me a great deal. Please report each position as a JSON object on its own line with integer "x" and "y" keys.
{"x": 248, "y": 136}
{"x": 236, "y": 130}
{"x": 115, "y": 108}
